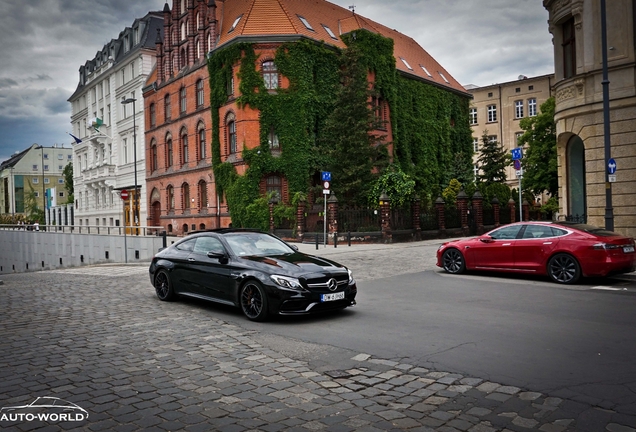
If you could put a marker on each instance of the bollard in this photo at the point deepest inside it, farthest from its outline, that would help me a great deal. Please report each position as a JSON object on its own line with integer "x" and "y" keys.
{"x": 335, "y": 240}
{"x": 165, "y": 238}
{"x": 349, "y": 238}
{"x": 316, "y": 241}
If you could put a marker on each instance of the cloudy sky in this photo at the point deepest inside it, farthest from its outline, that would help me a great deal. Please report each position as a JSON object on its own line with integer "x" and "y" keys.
{"x": 44, "y": 42}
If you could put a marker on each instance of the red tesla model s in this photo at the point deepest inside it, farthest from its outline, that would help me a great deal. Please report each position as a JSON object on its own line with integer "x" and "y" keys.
{"x": 562, "y": 250}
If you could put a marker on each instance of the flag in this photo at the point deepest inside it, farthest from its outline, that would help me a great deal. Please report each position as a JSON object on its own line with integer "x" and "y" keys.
{"x": 97, "y": 123}
{"x": 77, "y": 140}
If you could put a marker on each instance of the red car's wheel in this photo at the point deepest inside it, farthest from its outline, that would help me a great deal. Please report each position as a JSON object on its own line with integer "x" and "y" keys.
{"x": 564, "y": 268}
{"x": 453, "y": 261}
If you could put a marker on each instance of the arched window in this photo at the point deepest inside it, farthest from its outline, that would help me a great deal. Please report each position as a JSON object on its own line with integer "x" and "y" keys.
{"x": 153, "y": 155}
{"x": 184, "y": 146}
{"x": 270, "y": 75}
{"x": 152, "y": 114}
{"x": 202, "y": 145}
{"x": 184, "y": 58}
{"x": 182, "y": 8}
{"x": 200, "y": 93}
{"x": 166, "y": 107}
{"x": 170, "y": 194}
{"x": 231, "y": 133}
{"x": 198, "y": 49}
{"x": 169, "y": 152}
{"x": 185, "y": 193}
{"x": 203, "y": 194}
{"x": 183, "y": 30}
{"x": 209, "y": 46}
{"x": 576, "y": 177}
{"x": 183, "y": 98}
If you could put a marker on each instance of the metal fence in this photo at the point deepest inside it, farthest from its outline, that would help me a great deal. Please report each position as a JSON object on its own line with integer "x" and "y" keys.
{"x": 429, "y": 221}
{"x": 359, "y": 220}
{"x": 401, "y": 219}
{"x": 452, "y": 217}
{"x": 576, "y": 218}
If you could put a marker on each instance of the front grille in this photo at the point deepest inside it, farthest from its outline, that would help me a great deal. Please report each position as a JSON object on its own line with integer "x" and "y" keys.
{"x": 322, "y": 284}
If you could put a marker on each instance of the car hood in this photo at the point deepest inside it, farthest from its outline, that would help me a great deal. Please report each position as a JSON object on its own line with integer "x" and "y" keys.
{"x": 296, "y": 265}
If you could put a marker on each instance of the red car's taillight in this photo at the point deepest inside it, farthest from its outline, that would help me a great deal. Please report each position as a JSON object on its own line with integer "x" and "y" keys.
{"x": 605, "y": 246}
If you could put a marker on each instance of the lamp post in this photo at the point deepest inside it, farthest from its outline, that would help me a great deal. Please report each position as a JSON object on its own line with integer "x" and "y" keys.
{"x": 12, "y": 195}
{"x": 125, "y": 101}
{"x": 609, "y": 209}
{"x": 43, "y": 186}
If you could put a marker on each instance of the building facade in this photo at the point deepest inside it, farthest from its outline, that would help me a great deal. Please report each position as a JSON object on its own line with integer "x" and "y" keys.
{"x": 179, "y": 174}
{"x": 108, "y": 154}
{"x": 37, "y": 170}
{"x": 193, "y": 157}
{"x": 497, "y": 110}
{"x": 576, "y": 29}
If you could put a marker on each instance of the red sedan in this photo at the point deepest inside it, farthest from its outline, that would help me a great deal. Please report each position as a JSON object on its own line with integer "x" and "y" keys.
{"x": 562, "y": 250}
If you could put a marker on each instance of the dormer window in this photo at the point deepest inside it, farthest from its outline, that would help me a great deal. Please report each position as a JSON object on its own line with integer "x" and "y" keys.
{"x": 235, "y": 23}
{"x": 328, "y": 30}
{"x": 305, "y": 22}
{"x": 406, "y": 63}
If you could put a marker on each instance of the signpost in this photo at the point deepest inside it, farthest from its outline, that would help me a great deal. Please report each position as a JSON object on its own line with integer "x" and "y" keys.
{"x": 517, "y": 155}
{"x": 325, "y": 177}
{"x": 124, "y": 196}
{"x": 611, "y": 171}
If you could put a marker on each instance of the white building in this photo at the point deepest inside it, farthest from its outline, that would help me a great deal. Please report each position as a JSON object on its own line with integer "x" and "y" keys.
{"x": 111, "y": 155}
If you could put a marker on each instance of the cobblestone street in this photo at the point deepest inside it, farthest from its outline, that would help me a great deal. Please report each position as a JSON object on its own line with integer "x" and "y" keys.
{"x": 101, "y": 340}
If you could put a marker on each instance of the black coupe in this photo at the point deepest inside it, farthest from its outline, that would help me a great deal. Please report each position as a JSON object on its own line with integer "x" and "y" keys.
{"x": 255, "y": 271}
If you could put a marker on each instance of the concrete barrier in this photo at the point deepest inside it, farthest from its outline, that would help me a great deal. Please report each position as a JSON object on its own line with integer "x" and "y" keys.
{"x": 23, "y": 250}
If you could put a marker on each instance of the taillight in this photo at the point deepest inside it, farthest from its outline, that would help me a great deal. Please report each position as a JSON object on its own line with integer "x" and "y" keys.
{"x": 605, "y": 246}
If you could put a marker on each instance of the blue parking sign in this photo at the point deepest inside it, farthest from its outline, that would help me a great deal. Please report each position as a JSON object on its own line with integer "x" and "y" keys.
{"x": 516, "y": 153}
{"x": 325, "y": 176}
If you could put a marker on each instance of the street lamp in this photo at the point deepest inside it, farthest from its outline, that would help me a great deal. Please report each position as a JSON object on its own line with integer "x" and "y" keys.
{"x": 43, "y": 186}
{"x": 125, "y": 101}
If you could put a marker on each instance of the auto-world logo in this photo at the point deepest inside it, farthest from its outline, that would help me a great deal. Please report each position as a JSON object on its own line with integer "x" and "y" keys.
{"x": 46, "y": 409}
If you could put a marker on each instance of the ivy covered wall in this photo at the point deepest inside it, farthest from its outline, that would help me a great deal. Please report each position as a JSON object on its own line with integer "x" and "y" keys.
{"x": 430, "y": 124}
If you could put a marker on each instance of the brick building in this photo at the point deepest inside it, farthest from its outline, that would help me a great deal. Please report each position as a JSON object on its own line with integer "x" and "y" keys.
{"x": 184, "y": 143}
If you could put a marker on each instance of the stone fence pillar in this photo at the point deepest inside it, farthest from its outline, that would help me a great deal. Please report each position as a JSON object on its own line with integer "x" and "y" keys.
{"x": 332, "y": 215}
{"x": 513, "y": 210}
{"x": 441, "y": 217}
{"x": 478, "y": 211}
{"x": 462, "y": 205}
{"x": 301, "y": 221}
{"x": 526, "y": 210}
{"x": 415, "y": 215}
{"x": 385, "y": 218}
{"x": 495, "y": 210}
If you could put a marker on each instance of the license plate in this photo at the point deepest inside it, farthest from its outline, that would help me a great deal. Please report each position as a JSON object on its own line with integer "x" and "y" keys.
{"x": 628, "y": 249}
{"x": 332, "y": 296}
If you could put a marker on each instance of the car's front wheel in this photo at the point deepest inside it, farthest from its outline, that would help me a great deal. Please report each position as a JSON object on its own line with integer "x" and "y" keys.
{"x": 163, "y": 286}
{"x": 453, "y": 261}
{"x": 564, "y": 268}
{"x": 253, "y": 301}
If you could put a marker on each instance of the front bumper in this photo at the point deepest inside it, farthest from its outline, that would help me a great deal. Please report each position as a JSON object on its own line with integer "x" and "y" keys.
{"x": 309, "y": 302}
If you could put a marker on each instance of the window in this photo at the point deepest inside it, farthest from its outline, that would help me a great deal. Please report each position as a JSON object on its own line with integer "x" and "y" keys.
{"x": 230, "y": 85}
{"x": 69, "y": 157}
{"x": 203, "y": 194}
{"x": 475, "y": 144}
{"x": 272, "y": 139}
{"x": 231, "y": 136}
{"x": 518, "y": 109}
{"x": 274, "y": 184}
{"x": 518, "y": 136}
{"x": 489, "y": 94}
{"x": 184, "y": 146}
{"x": 202, "y": 149}
{"x": 328, "y": 30}
{"x": 518, "y": 90}
{"x": 46, "y": 167}
{"x": 183, "y": 100}
{"x": 60, "y": 181}
{"x": 235, "y": 23}
{"x": 406, "y": 63}
{"x": 60, "y": 167}
{"x": 132, "y": 70}
{"x": 183, "y": 30}
{"x": 492, "y": 139}
{"x": 123, "y": 76}
{"x": 35, "y": 180}
{"x": 443, "y": 77}
{"x": 125, "y": 152}
{"x": 46, "y": 156}
{"x": 270, "y": 75}
{"x": 305, "y": 22}
{"x": 531, "y": 87}
{"x": 475, "y": 171}
{"x": 506, "y": 233}
{"x": 153, "y": 160}
{"x": 166, "y": 107}
{"x": 170, "y": 192}
{"x": 200, "y": 95}
{"x": 426, "y": 70}
{"x": 35, "y": 167}
{"x": 169, "y": 153}
{"x": 153, "y": 115}
{"x": 532, "y": 107}
{"x": 46, "y": 180}
{"x": 492, "y": 113}
{"x": 473, "y": 116}
{"x": 185, "y": 189}
{"x": 569, "y": 49}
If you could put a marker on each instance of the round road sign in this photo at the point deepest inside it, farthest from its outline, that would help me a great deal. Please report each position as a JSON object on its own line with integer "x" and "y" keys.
{"x": 124, "y": 194}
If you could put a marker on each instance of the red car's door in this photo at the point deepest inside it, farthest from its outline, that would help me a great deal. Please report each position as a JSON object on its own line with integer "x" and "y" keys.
{"x": 535, "y": 246}
{"x": 494, "y": 250}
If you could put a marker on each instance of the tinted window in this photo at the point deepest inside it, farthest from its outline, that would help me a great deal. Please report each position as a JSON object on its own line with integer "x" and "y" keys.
{"x": 256, "y": 244}
{"x": 558, "y": 232}
{"x": 187, "y": 245}
{"x": 592, "y": 229}
{"x": 208, "y": 244}
{"x": 538, "y": 231}
{"x": 506, "y": 233}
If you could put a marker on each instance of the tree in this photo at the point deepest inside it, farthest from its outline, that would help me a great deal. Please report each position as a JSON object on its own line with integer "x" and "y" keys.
{"x": 68, "y": 182}
{"x": 492, "y": 161}
{"x": 540, "y": 159}
{"x": 33, "y": 211}
{"x": 348, "y": 133}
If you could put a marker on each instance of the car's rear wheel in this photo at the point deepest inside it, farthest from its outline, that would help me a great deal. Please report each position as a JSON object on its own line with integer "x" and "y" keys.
{"x": 163, "y": 286}
{"x": 453, "y": 261}
{"x": 564, "y": 268}
{"x": 253, "y": 301}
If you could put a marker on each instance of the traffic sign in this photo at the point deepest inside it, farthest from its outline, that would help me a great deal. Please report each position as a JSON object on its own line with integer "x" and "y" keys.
{"x": 519, "y": 173}
{"x": 325, "y": 176}
{"x": 611, "y": 166}
{"x": 326, "y": 184}
{"x": 124, "y": 194}
{"x": 517, "y": 164}
{"x": 517, "y": 153}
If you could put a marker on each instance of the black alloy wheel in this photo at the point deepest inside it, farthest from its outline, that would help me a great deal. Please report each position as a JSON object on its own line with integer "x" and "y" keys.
{"x": 453, "y": 261}
{"x": 253, "y": 301}
{"x": 163, "y": 286}
{"x": 564, "y": 268}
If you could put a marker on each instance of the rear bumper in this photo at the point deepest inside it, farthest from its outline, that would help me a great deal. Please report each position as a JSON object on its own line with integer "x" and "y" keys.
{"x": 612, "y": 264}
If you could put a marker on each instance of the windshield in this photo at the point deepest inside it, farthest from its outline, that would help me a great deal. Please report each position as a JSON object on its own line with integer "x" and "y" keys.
{"x": 592, "y": 229}
{"x": 256, "y": 244}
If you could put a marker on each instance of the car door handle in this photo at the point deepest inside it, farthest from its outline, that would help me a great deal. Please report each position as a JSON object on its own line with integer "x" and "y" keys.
{"x": 191, "y": 259}
{"x": 547, "y": 243}
{"x": 506, "y": 244}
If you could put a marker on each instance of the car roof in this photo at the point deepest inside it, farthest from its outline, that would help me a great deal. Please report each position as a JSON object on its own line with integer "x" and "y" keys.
{"x": 226, "y": 231}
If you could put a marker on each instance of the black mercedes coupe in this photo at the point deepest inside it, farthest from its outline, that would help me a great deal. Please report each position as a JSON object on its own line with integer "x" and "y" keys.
{"x": 257, "y": 272}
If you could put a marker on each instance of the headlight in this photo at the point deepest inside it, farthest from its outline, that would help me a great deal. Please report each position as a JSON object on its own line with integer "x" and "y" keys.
{"x": 351, "y": 280}
{"x": 288, "y": 283}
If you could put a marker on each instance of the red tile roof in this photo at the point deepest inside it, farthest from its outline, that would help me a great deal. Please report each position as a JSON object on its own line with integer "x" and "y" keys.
{"x": 282, "y": 17}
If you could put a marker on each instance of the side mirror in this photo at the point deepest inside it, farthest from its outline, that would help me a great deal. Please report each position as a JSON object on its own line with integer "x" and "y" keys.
{"x": 220, "y": 256}
{"x": 486, "y": 239}
{"x": 294, "y": 247}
